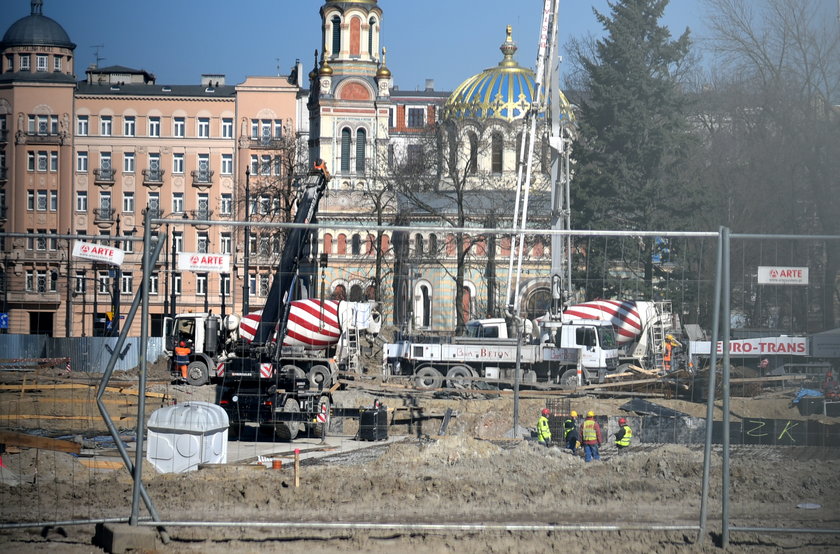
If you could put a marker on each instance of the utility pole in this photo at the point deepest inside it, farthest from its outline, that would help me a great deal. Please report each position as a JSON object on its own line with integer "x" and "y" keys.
{"x": 115, "y": 322}
{"x": 246, "y": 277}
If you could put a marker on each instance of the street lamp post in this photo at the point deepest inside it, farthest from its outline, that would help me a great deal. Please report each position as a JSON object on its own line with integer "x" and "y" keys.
{"x": 246, "y": 274}
{"x": 115, "y": 322}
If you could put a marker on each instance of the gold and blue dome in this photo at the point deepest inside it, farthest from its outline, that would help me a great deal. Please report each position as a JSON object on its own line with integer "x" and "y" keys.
{"x": 502, "y": 92}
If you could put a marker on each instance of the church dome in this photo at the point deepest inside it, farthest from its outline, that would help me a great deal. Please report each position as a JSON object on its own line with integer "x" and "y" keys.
{"x": 502, "y": 92}
{"x": 36, "y": 29}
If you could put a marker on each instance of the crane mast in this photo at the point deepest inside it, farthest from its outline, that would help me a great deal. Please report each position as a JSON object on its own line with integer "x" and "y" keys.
{"x": 552, "y": 108}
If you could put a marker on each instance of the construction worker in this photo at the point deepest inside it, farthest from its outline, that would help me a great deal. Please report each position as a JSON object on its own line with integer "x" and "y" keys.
{"x": 570, "y": 433}
{"x": 624, "y": 434}
{"x": 670, "y": 343}
{"x": 590, "y": 433}
{"x": 543, "y": 431}
{"x": 182, "y": 358}
{"x": 321, "y": 165}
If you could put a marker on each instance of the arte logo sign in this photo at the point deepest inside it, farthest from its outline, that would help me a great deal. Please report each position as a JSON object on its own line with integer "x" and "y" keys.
{"x": 777, "y": 275}
{"x": 214, "y": 263}
{"x": 98, "y": 252}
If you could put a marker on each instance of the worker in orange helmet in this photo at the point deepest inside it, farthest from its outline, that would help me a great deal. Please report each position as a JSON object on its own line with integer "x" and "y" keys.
{"x": 321, "y": 165}
{"x": 623, "y": 435}
{"x": 543, "y": 430}
{"x": 590, "y": 434}
{"x": 182, "y": 358}
{"x": 670, "y": 344}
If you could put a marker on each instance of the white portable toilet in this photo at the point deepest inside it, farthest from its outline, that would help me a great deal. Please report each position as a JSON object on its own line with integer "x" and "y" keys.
{"x": 185, "y": 435}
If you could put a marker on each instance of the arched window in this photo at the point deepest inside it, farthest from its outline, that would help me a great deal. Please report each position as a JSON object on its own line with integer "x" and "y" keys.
{"x": 422, "y": 300}
{"x": 433, "y": 246}
{"x": 336, "y": 35}
{"x": 339, "y": 293}
{"x": 418, "y": 244}
{"x": 355, "y": 36}
{"x": 538, "y": 303}
{"x": 472, "y": 162}
{"x": 342, "y": 245}
{"x": 370, "y": 245}
{"x": 356, "y": 245}
{"x": 466, "y": 302}
{"x": 356, "y": 293}
{"x": 372, "y": 24}
{"x": 361, "y": 145}
{"x": 345, "y": 149}
{"x": 497, "y": 153}
{"x": 328, "y": 242}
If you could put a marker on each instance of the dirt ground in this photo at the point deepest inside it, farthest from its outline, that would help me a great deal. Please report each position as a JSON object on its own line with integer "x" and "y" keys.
{"x": 474, "y": 475}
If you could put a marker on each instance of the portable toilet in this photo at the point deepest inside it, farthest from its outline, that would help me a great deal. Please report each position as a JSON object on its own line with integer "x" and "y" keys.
{"x": 185, "y": 435}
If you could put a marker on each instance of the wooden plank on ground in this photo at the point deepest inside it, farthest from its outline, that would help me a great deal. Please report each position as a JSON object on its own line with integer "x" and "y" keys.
{"x": 15, "y": 417}
{"x": 101, "y": 464}
{"x": 42, "y": 443}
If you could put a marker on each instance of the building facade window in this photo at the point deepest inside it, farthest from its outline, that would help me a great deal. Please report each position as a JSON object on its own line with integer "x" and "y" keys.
{"x": 227, "y": 127}
{"x": 129, "y": 126}
{"x": 226, "y": 204}
{"x": 225, "y": 243}
{"x": 201, "y": 284}
{"x": 128, "y": 202}
{"x": 41, "y": 206}
{"x": 178, "y": 241}
{"x": 56, "y": 63}
{"x": 154, "y": 126}
{"x": 53, "y": 162}
{"x": 179, "y": 127}
{"x": 345, "y": 149}
{"x": 224, "y": 285}
{"x": 202, "y": 242}
{"x": 41, "y": 62}
{"x": 42, "y": 160}
{"x": 178, "y": 163}
{"x": 105, "y": 126}
{"x": 128, "y": 162}
{"x": 227, "y": 164}
{"x": 53, "y": 200}
{"x": 416, "y": 117}
{"x": 82, "y": 162}
{"x": 24, "y": 62}
{"x": 178, "y": 202}
{"x": 82, "y": 125}
{"x": 496, "y": 154}
{"x": 204, "y": 127}
{"x": 361, "y": 145}
{"x": 81, "y": 201}
{"x": 126, "y": 283}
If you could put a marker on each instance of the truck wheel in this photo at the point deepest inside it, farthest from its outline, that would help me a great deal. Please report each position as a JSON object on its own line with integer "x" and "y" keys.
{"x": 234, "y": 431}
{"x": 197, "y": 373}
{"x": 458, "y": 377}
{"x": 569, "y": 379}
{"x": 428, "y": 378}
{"x": 288, "y": 430}
{"x": 320, "y": 429}
{"x": 319, "y": 377}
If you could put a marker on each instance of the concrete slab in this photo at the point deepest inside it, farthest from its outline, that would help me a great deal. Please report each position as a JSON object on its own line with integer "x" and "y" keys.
{"x": 118, "y": 538}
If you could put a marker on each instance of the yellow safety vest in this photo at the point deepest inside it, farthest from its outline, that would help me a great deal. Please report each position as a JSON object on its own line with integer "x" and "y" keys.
{"x": 628, "y": 434}
{"x": 589, "y": 433}
{"x": 543, "y": 431}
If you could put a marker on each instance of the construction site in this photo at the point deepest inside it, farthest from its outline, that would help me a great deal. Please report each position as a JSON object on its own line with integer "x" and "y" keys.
{"x": 399, "y": 379}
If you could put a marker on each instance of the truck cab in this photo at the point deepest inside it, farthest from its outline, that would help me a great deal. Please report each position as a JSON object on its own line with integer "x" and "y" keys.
{"x": 595, "y": 340}
{"x": 205, "y": 335}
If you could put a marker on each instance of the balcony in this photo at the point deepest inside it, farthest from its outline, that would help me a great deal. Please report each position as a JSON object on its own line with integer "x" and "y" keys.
{"x": 4, "y": 136}
{"x": 103, "y": 216}
{"x": 202, "y": 178}
{"x": 104, "y": 176}
{"x": 4, "y": 174}
{"x": 266, "y": 143}
{"x": 40, "y": 138}
{"x": 153, "y": 177}
{"x": 3, "y": 217}
{"x": 201, "y": 214}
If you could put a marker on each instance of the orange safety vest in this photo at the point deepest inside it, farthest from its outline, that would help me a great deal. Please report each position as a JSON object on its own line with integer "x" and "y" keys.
{"x": 182, "y": 355}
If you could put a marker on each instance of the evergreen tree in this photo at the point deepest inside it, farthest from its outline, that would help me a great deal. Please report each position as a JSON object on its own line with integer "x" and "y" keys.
{"x": 634, "y": 129}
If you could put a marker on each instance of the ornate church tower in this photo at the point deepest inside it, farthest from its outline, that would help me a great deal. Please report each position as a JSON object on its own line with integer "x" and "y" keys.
{"x": 349, "y": 99}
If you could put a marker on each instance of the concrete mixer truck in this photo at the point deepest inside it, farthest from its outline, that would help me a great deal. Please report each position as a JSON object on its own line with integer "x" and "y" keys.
{"x": 640, "y": 327}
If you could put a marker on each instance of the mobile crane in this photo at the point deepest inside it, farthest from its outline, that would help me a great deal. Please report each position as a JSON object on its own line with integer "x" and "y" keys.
{"x": 268, "y": 379}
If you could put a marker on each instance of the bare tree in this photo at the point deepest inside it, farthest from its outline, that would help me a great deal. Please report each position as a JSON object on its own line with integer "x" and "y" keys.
{"x": 772, "y": 124}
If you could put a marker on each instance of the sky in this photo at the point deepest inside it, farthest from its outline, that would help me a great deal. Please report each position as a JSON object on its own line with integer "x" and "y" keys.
{"x": 444, "y": 40}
